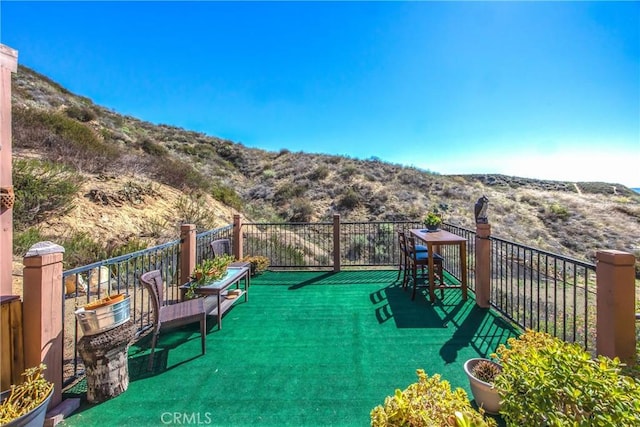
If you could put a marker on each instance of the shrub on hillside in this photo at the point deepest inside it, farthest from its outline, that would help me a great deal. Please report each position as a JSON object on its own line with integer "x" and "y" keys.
{"x": 42, "y": 189}
{"x": 62, "y": 139}
{"x": 348, "y": 171}
{"x": 301, "y": 210}
{"x": 350, "y": 199}
{"x": 194, "y": 209}
{"x": 320, "y": 173}
{"x": 83, "y": 114}
{"x": 289, "y": 191}
{"x": 153, "y": 148}
{"x": 178, "y": 174}
{"x": 227, "y": 195}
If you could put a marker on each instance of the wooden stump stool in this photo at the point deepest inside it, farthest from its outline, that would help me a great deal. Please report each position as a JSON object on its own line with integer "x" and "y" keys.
{"x": 105, "y": 357}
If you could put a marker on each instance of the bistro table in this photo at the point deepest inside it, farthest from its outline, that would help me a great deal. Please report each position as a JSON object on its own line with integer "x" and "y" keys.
{"x": 220, "y": 290}
{"x": 438, "y": 238}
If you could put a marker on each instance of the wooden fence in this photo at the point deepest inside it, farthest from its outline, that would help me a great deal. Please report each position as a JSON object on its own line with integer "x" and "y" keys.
{"x": 11, "y": 343}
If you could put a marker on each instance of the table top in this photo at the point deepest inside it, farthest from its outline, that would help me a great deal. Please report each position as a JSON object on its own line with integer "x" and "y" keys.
{"x": 440, "y": 236}
{"x": 232, "y": 275}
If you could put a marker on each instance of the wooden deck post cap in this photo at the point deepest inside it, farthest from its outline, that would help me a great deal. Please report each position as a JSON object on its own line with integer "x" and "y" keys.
{"x": 44, "y": 248}
{"x": 615, "y": 257}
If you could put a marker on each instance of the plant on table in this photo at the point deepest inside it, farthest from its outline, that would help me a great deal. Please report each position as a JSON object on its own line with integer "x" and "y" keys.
{"x": 429, "y": 402}
{"x": 209, "y": 270}
{"x": 433, "y": 220}
{"x": 546, "y": 381}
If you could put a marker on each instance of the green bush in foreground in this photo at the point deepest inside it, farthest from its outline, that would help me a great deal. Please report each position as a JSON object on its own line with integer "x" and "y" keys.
{"x": 546, "y": 381}
{"x": 429, "y": 402}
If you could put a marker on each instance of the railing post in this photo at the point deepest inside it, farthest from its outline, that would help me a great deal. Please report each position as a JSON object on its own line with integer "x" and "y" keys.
{"x": 187, "y": 251}
{"x": 336, "y": 243}
{"x": 483, "y": 265}
{"x": 42, "y": 308}
{"x": 615, "y": 322}
{"x": 8, "y": 65}
{"x": 237, "y": 237}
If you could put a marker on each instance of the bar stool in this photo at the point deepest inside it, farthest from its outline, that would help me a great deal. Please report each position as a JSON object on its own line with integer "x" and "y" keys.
{"x": 420, "y": 259}
{"x": 403, "y": 263}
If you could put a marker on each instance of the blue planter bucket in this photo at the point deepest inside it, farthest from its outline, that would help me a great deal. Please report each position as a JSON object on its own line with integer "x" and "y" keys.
{"x": 34, "y": 418}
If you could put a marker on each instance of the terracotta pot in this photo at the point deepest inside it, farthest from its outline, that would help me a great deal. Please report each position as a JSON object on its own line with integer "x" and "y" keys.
{"x": 485, "y": 395}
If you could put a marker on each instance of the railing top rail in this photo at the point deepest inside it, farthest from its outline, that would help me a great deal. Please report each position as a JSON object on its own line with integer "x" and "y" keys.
{"x": 120, "y": 258}
{"x": 581, "y": 263}
{"x": 215, "y": 230}
{"x": 289, "y": 223}
{"x": 342, "y": 222}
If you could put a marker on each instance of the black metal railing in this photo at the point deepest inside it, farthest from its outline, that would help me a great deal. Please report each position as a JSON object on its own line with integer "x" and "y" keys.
{"x": 532, "y": 288}
{"x": 204, "y": 239}
{"x": 117, "y": 275}
{"x": 451, "y": 254}
{"x": 311, "y": 245}
{"x": 544, "y": 291}
{"x": 290, "y": 245}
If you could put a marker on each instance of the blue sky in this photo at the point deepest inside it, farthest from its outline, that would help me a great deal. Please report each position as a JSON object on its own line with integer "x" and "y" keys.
{"x": 540, "y": 90}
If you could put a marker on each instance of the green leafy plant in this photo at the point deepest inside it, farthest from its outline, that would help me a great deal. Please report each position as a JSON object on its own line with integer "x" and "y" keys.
{"x": 26, "y": 396}
{"x": 432, "y": 219}
{"x": 429, "y": 402}
{"x": 546, "y": 381}
{"x": 209, "y": 270}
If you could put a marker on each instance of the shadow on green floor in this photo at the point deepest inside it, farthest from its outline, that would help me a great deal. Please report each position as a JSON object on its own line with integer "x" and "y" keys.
{"x": 307, "y": 349}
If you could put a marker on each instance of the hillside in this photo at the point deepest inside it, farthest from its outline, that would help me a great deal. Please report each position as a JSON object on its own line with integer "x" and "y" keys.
{"x": 128, "y": 180}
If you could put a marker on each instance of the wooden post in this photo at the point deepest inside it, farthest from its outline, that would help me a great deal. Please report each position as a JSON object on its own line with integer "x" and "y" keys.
{"x": 237, "y": 237}
{"x": 616, "y": 323}
{"x": 8, "y": 65}
{"x": 42, "y": 307}
{"x": 187, "y": 251}
{"x": 336, "y": 243}
{"x": 483, "y": 265}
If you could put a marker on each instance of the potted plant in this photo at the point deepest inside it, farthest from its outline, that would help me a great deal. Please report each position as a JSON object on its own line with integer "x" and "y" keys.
{"x": 209, "y": 270}
{"x": 258, "y": 264}
{"x": 432, "y": 221}
{"x": 482, "y": 374}
{"x": 26, "y": 404}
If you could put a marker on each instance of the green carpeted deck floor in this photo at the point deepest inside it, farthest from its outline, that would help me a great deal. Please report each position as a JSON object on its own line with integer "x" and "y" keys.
{"x": 307, "y": 349}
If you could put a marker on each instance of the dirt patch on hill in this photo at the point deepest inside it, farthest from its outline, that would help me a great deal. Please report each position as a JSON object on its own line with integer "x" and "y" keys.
{"x": 114, "y": 210}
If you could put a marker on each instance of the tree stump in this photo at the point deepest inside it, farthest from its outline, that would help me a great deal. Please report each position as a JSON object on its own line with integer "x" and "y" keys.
{"x": 105, "y": 357}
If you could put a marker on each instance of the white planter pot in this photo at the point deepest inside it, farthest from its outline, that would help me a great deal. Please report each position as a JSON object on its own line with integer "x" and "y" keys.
{"x": 484, "y": 394}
